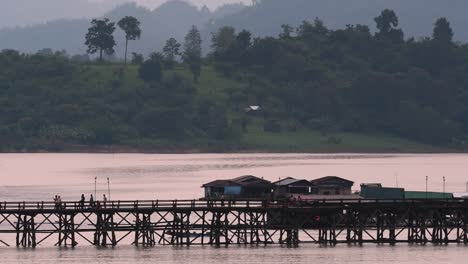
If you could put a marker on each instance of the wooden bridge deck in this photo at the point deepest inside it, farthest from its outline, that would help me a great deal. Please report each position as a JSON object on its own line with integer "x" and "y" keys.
{"x": 195, "y": 222}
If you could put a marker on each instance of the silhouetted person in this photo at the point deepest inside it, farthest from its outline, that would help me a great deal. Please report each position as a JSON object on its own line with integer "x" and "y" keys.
{"x": 56, "y": 204}
{"x": 91, "y": 201}
{"x": 82, "y": 201}
{"x": 59, "y": 202}
{"x": 104, "y": 200}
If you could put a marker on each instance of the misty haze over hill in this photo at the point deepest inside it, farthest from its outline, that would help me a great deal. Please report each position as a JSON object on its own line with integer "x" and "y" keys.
{"x": 14, "y": 13}
{"x": 174, "y": 18}
{"x": 416, "y": 16}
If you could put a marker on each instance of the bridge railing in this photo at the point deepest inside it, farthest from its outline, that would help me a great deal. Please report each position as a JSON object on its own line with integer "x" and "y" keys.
{"x": 137, "y": 204}
{"x": 193, "y": 204}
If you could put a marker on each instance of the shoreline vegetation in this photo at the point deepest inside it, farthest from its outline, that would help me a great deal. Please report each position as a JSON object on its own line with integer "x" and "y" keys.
{"x": 302, "y": 142}
{"x": 309, "y": 90}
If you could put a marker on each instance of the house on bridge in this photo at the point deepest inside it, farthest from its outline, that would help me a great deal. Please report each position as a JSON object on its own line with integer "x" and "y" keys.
{"x": 290, "y": 186}
{"x": 332, "y": 185}
{"x": 244, "y": 187}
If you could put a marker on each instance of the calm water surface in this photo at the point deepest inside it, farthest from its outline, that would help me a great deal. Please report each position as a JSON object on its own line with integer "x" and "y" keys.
{"x": 138, "y": 176}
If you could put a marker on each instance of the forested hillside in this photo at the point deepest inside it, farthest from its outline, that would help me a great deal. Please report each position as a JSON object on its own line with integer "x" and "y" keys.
{"x": 352, "y": 80}
{"x": 318, "y": 89}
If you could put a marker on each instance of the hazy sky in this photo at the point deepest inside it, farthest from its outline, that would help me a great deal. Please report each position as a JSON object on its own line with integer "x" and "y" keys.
{"x": 210, "y": 3}
{"x": 28, "y": 12}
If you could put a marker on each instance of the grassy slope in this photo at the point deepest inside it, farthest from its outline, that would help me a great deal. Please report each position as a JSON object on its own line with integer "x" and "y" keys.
{"x": 213, "y": 86}
{"x": 313, "y": 141}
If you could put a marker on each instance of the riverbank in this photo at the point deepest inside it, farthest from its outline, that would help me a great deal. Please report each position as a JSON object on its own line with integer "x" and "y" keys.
{"x": 255, "y": 141}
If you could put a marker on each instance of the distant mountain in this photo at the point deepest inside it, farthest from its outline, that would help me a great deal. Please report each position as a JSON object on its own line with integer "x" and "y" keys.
{"x": 416, "y": 16}
{"x": 172, "y": 19}
{"x": 227, "y": 9}
{"x": 15, "y": 13}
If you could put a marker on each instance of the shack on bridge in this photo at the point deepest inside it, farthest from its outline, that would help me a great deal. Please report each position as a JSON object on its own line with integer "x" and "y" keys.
{"x": 244, "y": 187}
{"x": 377, "y": 191}
{"x": 290, "y": 186}
{"x": 331, "y": 185}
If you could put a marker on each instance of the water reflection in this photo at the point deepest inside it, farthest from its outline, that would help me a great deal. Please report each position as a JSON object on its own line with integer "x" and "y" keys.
{"x": 234, "y": 254}
{"x": 138, "y": 176}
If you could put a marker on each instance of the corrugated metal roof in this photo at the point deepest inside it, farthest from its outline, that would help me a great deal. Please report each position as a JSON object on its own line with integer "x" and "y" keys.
{"x": 220, "y": 183}
{"x": 292, "y": 181}
{"x": 247, "y": 180}
{"x": 250, "y": 180}
{"x": 332, "y": 180}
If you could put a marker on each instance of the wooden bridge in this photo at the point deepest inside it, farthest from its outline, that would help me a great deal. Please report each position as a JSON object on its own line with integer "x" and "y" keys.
{"x": 196, "y": 222}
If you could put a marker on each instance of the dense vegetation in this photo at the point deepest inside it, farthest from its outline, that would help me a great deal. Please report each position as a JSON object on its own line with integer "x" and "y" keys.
{"x": 352, "y": 80}
{"x": 318, "y": 89}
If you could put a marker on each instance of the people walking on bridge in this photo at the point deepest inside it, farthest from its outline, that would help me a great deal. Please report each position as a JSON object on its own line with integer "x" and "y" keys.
{"x": 104, "y": 200}
{"x": 59, "y": 202}
{"x": 56, "y": 204}
{"x": 82, "y": 201}
{"x": 91, "y": 201}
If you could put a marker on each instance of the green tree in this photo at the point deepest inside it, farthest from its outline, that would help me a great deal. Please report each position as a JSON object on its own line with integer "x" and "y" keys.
{"x": 193, "y": 51}
{"x": 100, "y": 37}
{"x": 45, "y": 52}
{"x": 137, "y": 58}
{"x": 286, "y": 32}
{"x": 151, "y": 70}
{"x": 171, "y": 50}
{"x": 244, "y": 40}
{"x": 242, "y": 47}
{"x": 157, "y": 56}
{"x": 310, "y": 30}
{"x": 387, "y": 23}
{"x": 442, "y": 31}
{"x": 131, "y": 26}
{"x": 222, "y": 40}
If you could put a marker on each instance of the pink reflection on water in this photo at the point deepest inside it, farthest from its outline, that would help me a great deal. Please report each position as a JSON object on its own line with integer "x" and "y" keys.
{"x": 140, "y": 176}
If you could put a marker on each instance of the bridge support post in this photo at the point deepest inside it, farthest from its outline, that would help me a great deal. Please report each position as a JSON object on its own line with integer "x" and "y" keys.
{"x": 463, "y": 229}
{"x": 439, "y": 229}
{"x": 327, "y": 230}
{"x": 354, "y": 231}
{"x": 105, "y": 232}
{"x": 144, "y": 231}
{"x": 258, "y": 231}
{"x": 180, "y": 229}
{"x": 26, "y": 231}
{"x": 417, "y": 228}
{"x": 216, "y": 232}
{"x": 66, "y": 230}
{"x": 386, "y": 222}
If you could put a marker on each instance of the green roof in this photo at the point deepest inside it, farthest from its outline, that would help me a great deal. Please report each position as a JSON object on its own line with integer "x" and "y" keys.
{"x": 427, "y": 195}
{"x": 382, "y": 193}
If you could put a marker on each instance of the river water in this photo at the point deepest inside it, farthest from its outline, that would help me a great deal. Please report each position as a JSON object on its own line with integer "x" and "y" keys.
{"x": 139, "y": 176}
